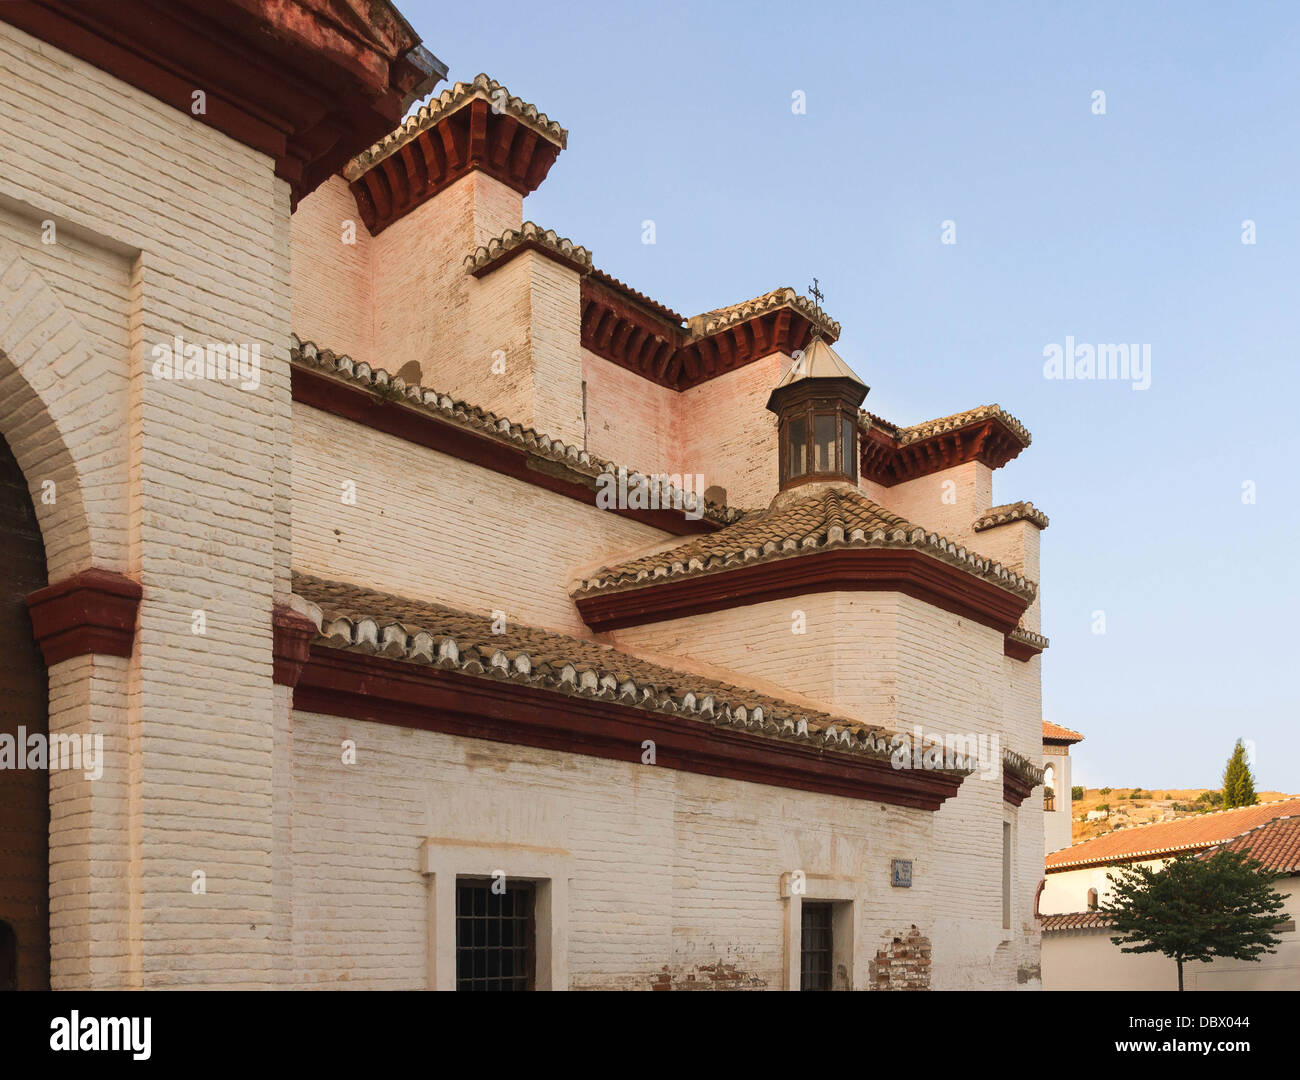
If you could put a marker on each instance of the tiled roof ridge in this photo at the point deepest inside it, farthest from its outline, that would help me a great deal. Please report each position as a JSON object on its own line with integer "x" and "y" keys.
{"x": 1167, "y": 848}
{"x": 831, "y": 535}
{"x": 378, "y": 634}
{"x": 380, "y": 381}
{"x": 451, "y": 99}
{"x": 1008, "y": 512}
{"x": 533, "y": 235}
{"x": 711, "y": 322}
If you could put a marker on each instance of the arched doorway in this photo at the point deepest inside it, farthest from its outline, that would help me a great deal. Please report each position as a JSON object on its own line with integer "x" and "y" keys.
{"x": 24, "y": 793}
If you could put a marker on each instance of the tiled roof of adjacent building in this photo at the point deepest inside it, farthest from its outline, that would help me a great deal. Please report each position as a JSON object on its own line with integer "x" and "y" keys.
{"x": 1056, "y": 733}
{"x": 1073, "y": 920}
{"x": 451, "y": 99}
{"x": 1276, "y": 844}
{"x": 840, "y": 517}
{"x": 384, "y": 384}
{"x": 1017, "y": 511}
{"x": 359, "y": 619}
{"x": 1167, "y": 838}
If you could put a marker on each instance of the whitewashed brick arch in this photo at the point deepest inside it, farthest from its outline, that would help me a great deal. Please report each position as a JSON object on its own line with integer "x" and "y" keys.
{"x": 52, "y": 414}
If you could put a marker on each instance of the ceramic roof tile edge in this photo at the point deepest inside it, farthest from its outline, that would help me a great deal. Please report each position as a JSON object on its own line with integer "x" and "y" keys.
{"x": 868, "y": 420}
{"x": 648, "y": 302}
{"x": 905, "y": 435}
{"x": 1073, "y": 920}
{"x": 1022, "y": 766}
{"x": 1028, "y": 637}
{"x": 1241, "y": 836}
{"x": 971, "y": 416}
{"x": 1009, "y": 512}
{"x": 384, "y": 384}
{"x": 1160, "y": 852}
{"x": 1060, "y": 733}
{"x": 376, "y": 635}
{"x": 711, "y": 322}
{"x": 530, "y": 235}
{"x": 449, "y": 101}
{"x": 793, "y": 546}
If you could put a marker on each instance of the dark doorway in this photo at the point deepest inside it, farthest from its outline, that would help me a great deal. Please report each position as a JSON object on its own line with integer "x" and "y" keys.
{"x": 816, "y": 954}
{"x": 24, "y": 793}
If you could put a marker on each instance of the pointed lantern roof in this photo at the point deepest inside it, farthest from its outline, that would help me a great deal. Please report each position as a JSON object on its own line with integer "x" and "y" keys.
{"x": 818, "y": 361}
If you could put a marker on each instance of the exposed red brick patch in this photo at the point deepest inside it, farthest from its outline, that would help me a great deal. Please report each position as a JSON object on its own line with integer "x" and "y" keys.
{"x": 717, "y": 976}
{"x": 902, "y": 964}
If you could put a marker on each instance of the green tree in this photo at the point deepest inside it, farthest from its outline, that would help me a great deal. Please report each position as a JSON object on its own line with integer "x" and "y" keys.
{"x": 1076, "y": 793}
{"x": 1238, "y": 783}
{"x": 1196, "y": 909}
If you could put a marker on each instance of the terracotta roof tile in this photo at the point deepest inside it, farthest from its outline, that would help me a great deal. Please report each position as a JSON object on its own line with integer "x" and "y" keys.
{"x": 640, "y": 298}
{"x": 356, "y": 618}
{"x": 449, "y": 101}
{"x": 956, "y": 420}
{"x": 528, "y": 235}
{"x": 711, "y": 322}
{"x": 1056, "y": 733}
{"x": 1167, "y": 838}
{"x": 833, "y": 516}
{"x": 1017, "y": 511}
{"x": 929, "y": 428}
{"x": 1276, "y": 844}
{"x": 1073, "y": 920}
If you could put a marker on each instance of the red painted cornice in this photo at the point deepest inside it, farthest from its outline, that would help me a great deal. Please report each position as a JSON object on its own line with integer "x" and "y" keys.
{"x": 310, "y": 83}
{"x": 1015, "y": 788}
{"x": 323, "y": 392}
{"x": 1020, "y": 650}
{"x": 91, "y": 612}
{"x": 473, "y": 137}
{"x": 886, "y": 461}
{"x": 902, "y": 570}
{"x": 359, "y": 686}
{"x": 292, "y": 644}
{"x": 624, "y": 327}
{"x": 627, "y": 333}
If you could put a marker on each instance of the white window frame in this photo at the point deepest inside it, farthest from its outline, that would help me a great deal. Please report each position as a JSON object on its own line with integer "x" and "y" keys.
{"x": 842, "y": 896}
{"x": 548, "y": 871}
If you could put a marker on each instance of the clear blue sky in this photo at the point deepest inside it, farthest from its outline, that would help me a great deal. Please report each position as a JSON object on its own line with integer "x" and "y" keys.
{"x": 1117, "y": 228}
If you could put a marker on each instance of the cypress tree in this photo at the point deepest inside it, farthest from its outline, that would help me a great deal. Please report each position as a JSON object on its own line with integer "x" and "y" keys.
{"x": 1238, "y": 783}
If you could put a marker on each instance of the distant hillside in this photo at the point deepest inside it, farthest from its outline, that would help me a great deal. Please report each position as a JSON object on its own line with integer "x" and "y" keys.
{"x": 1152, "y": 804}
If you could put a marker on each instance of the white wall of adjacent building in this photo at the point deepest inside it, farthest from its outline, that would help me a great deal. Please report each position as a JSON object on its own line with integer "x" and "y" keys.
{"x": 1087, "y": 960}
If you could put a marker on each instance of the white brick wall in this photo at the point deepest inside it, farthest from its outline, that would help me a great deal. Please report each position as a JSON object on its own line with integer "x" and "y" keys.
{"x": 669, "y": 870}
{"x": 435, "y": 528}
{"x": 171, "y": 228}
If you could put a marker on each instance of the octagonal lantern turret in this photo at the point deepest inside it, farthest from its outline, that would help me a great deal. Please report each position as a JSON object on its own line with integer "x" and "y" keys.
{"x": 816, "y": 405}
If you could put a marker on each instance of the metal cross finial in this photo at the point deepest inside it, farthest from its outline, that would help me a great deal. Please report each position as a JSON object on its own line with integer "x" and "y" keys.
{"x": 816, "y": 292}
